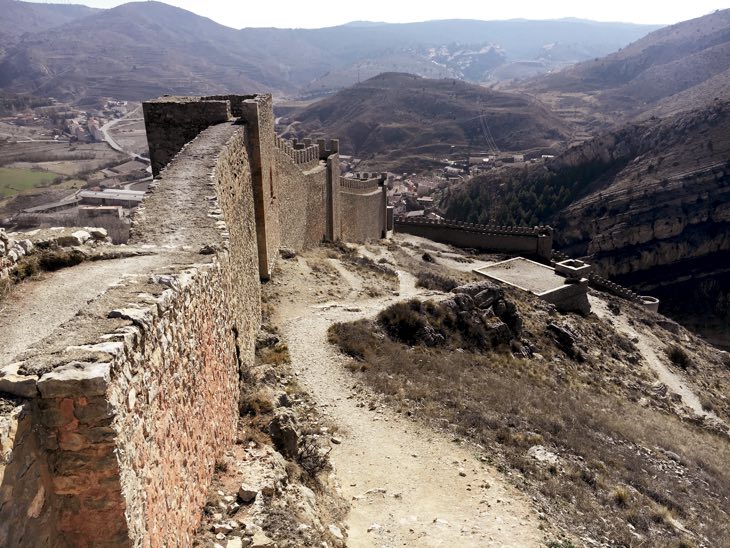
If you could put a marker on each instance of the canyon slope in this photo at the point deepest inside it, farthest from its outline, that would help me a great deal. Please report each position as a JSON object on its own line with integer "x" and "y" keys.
{"x": 672, "y": 69}
{"x": 648, "y": 203}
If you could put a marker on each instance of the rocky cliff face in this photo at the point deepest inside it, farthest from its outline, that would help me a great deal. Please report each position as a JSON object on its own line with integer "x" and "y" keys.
{"x": 668, "y": 202}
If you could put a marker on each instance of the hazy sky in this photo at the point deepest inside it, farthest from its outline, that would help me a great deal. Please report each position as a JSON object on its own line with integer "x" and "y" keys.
{"x": 309, "y": 14}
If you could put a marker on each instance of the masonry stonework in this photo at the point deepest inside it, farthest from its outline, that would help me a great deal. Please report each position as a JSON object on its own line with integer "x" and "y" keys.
{"x": 124, "y": 410}
{"x": 534, "y": 242}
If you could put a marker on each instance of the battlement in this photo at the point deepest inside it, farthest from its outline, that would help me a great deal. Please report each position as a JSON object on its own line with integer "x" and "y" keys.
{"x": 536, "y": 241}
{"x": 305, "y": 154}
{"x": 360, "y": 186}
{"x": 483, "y": 229}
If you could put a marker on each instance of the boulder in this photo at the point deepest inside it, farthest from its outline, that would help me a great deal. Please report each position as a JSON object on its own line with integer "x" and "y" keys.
{"x": 507, "y": 312}
{"x": 26, "y": 246}
{"x": 497, "y": 331}
{"x": 284, "y": 432}
{"x": 97, "y": 233}
{"x": 540, "y": 454}
{"x": 486, "y": 298}
{"x": 246, "y": 493}
{"x": 474, "y": 288}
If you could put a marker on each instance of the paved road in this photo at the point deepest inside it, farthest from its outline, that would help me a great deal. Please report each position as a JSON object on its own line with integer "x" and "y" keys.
{"x": 116, "y": 146}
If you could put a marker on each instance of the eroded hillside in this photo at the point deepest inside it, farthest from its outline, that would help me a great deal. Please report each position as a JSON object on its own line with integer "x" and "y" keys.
{"x": 594, "y": 419}
{"x": 402, "y": 121}
{"x": 672, "y": 69}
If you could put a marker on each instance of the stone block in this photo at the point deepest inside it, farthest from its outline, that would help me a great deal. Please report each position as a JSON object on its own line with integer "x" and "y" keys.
{"x": 75, "y": 379}
{"x": 23, "y": 386}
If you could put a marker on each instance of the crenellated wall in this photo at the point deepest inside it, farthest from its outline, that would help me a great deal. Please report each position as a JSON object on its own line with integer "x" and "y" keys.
{"x": 536, "y": 242}
{"x": 363, "y": 208}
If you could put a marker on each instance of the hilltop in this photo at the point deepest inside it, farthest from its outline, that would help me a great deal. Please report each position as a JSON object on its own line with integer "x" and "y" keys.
{"x": 26, "y": 17}
{"x": 404, "y": 121}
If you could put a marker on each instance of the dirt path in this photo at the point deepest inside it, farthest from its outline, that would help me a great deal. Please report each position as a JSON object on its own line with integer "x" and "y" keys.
{"x": 35, "y": 308}
{"x": 649, "y": 345}
{"x": 409, "y": 485}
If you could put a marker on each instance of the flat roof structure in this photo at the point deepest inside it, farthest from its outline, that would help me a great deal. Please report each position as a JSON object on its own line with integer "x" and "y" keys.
{"x": 524, "y": 274}
{"x": 543, "y": 281}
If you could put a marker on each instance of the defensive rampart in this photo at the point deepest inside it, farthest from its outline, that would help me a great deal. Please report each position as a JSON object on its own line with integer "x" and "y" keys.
{"x": 118, "y": 418}
{"x": 534, "y": 242}
{"x": 363, "y": 205}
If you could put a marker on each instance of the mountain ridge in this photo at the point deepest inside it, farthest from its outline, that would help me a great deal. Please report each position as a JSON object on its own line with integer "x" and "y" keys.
{"x": 183, "y": 53}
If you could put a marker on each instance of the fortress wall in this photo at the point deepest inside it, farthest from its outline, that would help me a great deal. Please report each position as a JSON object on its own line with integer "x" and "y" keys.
{"x": 27, "y": 512}
{"x": 170, "y": 122}
{"x": 536, "y": 242}
{"x": 258, "y": 117}
{"x": 363, "y": 215}
{"x": 128, "y": 405}
{"x": 176, "y": 393}
{"x": 137, "y": 397}
{"x": 302, "y": 207}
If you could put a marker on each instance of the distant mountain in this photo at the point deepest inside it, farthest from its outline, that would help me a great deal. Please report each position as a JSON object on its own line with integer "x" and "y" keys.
{"x": 402, "y": 121}
{"x": 136, "y": 51}
{"x": 141, "y": 49}
{"x": 672, "y": 69}
{"x": 19, "y": 18}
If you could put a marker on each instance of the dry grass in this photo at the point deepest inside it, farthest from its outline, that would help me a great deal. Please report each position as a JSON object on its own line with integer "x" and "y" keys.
{"x": 275, "y": 355}
{"x": 612, "y": 471}
{"x": 435, "y": 281}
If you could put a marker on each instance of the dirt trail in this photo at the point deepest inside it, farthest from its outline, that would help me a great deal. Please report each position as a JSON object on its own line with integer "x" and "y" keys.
{"x": 648, "y": 344}
{"x": 409, "y": 485}
{"x": 35, "y": 308}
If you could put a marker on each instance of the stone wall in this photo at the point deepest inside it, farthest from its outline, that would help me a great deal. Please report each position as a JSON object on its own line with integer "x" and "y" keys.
{"x": 363, "y": 207}
{"x": 135, "y": 400}
{"x": 26, "y": 486}
{"x": 112, "y": 426}
{"x": 535, "y": 242}
{"x": 170, "y": 122}
{"x": 302, "y": 203}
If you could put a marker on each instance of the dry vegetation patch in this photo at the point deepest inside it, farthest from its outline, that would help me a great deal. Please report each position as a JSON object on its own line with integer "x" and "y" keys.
{"x": 579, "y": 428}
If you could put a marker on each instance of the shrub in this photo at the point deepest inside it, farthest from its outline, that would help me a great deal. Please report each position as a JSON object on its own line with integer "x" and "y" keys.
{"x": 256, "y": 403}
{"x": 560, "y": 544}
{"x": 404, "y": 321}
{"x": 678, "y": 356}
{"x": 356, "y": 339}
{"x": 55, "y": 260}
{"x": 435, "y": 281}
{"x": 275, "y": 355}
{"x": 620, "y": 496}
{"x": 26, "y": 268}
{"x": 312, "y": 457}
